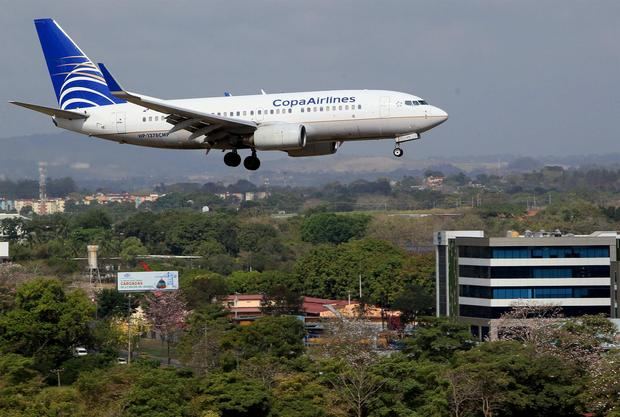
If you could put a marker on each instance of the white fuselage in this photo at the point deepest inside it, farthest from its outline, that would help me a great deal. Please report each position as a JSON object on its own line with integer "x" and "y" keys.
{"x": 373, "y": 114}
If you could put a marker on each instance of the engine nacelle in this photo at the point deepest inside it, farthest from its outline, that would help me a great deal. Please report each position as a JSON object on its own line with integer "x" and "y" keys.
{"x": 316, "y": 149}
{"x": 279, "y": 137}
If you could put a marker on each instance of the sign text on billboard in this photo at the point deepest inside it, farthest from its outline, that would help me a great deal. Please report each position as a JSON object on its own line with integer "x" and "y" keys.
{"x": 148, "y": 281}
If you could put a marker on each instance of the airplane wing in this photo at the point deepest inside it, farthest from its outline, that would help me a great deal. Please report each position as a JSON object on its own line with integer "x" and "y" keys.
{"x": 63, "y": 114}
{"x": 183, "y": 118}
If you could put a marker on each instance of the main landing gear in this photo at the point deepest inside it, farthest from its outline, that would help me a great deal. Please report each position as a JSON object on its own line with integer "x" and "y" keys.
{"x": 233, "y": 159}
{"x": 252, "y": 162}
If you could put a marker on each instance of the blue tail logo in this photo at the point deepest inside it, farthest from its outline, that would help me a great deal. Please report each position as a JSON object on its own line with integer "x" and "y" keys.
{"x": 77, "y": 81}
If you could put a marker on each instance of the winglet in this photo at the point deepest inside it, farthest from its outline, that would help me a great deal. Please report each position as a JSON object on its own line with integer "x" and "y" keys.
{"x": 114, "y": 87}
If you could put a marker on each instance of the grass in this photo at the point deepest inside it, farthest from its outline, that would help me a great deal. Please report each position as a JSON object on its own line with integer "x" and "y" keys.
{"x": 156, "y": 349}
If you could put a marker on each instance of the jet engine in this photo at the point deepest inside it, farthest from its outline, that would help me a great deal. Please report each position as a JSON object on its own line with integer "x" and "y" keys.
{"x": 315, "y": 149}
{"x": 281, "y": 136}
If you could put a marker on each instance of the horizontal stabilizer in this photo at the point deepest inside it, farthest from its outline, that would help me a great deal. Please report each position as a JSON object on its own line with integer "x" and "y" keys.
{"x": 63, "y": 114}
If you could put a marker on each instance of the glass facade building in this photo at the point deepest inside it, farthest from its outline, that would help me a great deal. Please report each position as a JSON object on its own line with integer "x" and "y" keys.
{"x": 579, "y": 274}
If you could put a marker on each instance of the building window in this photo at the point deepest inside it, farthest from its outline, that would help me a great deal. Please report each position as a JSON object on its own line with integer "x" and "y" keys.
{"x": 586, "y": 271}
{"x": 475, "y": 291}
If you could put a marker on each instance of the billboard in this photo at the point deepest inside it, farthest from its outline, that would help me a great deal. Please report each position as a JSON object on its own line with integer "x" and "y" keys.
{"x": 4, "y": 249}
{"x": 148, "y": 281}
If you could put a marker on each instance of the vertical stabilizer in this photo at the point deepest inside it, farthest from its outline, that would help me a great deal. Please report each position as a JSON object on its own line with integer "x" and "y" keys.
{"x": 78, "y": 83}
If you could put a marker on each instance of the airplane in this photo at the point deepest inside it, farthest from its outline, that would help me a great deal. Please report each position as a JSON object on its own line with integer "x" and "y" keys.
{"x": 312, "y": 123}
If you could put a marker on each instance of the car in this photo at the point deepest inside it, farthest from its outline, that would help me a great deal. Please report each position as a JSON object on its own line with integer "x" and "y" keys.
{"x": 121, "y": 361}
{"x": 80, "y": 351}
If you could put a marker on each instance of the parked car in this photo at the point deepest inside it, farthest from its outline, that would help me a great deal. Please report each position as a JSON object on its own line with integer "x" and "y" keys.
{"x": 121, "y": 361}
{"x": 80, "y": 351}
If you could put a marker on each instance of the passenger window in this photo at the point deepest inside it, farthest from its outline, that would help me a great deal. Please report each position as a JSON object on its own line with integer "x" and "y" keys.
{"x": 346, "y": 107}
{"x": 150, "y": 118}
{"x": 302, "y": 109}
{"x": 290, "y": 110}
{"x": 238, "y": 113}
{"x": 245, "y": 112}
{"x": 339, "y": 107}
{"x": 271, "y": 111}
{"x": 309, "y": 109}
{"x": 251, "y": 112}
{"x": 359, "y": 107}
{"x": 144, "y": 119}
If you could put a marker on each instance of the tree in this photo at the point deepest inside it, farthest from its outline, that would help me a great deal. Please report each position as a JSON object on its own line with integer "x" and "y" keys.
{"x": 281, "y": 337}
{"x": 166, "y": 312}
{"x": 438, "y": 339}
{"x": 576, "y": 340}
{"x": 413, "y": 302}
{"x": 333, "y": 271}
{"x": 508, "y": 378}
{"x": 302, "y": 395}
{"x": 204, "y": 289}
{"x": 350, "y": 345}
{"x": 46, "y": 323}
{"x": 201, "y": 344}
{"x": 231, "y": 395}
{"x": 281, "y": 300}
{"x": 111, "y": 303}
{"x": 333, "y": 228}
{"x": 131, "y": 248}
{"x": 602, "y": 395}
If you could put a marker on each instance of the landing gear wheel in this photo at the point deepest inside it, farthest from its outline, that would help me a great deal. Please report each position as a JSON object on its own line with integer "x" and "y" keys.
{"x": 398, "y": 152}
{"x": 251, "y": 163}
{"x": 232, "y": 159}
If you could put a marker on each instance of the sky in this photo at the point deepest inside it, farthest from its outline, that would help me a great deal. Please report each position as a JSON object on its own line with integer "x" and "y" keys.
{"x": 526, "y": 77}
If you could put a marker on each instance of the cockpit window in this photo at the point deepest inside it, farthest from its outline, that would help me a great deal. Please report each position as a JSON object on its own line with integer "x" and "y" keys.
{"x": 414, "y": 102}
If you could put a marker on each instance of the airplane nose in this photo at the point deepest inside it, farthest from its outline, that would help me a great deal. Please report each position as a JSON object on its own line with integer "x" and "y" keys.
{"x": 441, "y": 115}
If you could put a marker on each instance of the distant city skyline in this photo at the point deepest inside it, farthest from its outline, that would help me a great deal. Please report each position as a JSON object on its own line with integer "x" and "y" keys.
{"x": 522, "y": 77}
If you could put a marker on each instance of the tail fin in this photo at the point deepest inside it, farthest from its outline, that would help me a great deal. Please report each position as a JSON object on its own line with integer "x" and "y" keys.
{"x": 77, "y": 81}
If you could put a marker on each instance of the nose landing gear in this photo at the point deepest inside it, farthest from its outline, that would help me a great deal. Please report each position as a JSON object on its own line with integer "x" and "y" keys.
{"x": 398, "y": 152}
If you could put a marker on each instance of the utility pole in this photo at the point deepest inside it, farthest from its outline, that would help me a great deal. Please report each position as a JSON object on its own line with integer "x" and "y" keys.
{"x": 57, "y": 371}
{"x": 360, "y": 279}
{"x": 129, "y": 329}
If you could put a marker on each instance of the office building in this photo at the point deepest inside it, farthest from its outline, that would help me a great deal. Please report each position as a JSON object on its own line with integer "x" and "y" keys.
{"x": 480, "y": 278}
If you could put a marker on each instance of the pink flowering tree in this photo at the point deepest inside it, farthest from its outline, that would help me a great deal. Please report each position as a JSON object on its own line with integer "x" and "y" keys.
{"x": 166, "y": 311}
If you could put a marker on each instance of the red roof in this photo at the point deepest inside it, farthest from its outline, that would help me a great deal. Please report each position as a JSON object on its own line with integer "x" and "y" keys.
{"x": 315, "y": 305}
